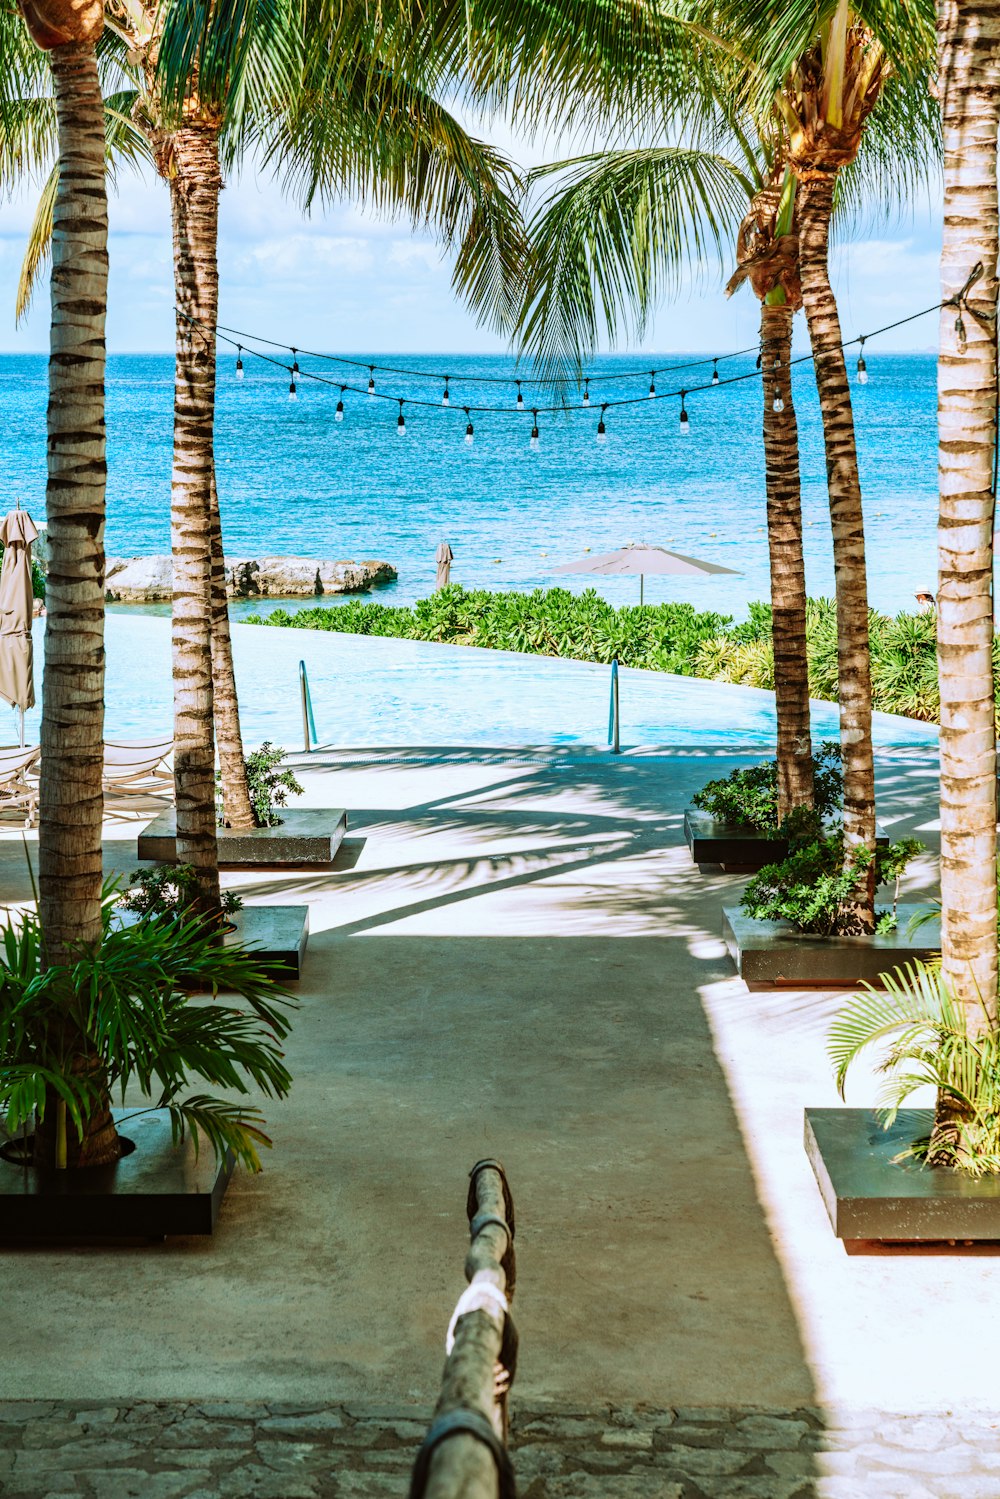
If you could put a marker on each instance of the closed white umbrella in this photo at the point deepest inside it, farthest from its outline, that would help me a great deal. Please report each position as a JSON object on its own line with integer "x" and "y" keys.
{"x": 17, "y": 604}
{"x": 444, "y": 559}
{"x": 639, "y": 560}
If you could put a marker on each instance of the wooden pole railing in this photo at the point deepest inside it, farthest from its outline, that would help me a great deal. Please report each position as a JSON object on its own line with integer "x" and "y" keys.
{"x": 464, "y": 1455}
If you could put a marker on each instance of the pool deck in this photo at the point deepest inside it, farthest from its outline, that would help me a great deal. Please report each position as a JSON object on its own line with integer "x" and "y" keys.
{"x": 514, "y": 956}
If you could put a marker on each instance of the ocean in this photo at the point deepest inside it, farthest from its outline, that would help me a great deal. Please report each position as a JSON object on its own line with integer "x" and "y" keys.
{"x": 292, "y": 480}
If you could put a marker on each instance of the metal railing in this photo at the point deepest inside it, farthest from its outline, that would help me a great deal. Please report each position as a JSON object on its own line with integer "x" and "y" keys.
{"x": 614, "y": 712}
{"x": 464, "y": 1455}
{"x": 308, "y": 721}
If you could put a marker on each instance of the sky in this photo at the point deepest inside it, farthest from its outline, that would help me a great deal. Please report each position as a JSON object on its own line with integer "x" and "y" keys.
{"x": 343, "y": 281}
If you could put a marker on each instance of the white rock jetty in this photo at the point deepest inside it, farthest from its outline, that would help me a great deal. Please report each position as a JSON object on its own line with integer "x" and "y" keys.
{"x": 149, "y": 580}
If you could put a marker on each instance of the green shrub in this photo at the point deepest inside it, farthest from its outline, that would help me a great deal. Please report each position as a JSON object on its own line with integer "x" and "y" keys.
{"x": 168, "y": 890}
{"x": 812, "y": 888}
{"x": 269, "y": 786}
{"x": 748, "y": 797}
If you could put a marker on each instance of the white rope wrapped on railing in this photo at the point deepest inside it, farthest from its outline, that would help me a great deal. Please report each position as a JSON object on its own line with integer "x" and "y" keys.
{"x": 464, "y": 1455}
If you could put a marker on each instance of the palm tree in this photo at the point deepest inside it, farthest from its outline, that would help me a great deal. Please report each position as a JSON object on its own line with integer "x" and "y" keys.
{"x": 841, "y": 68}
{"x": 967, "y": 403}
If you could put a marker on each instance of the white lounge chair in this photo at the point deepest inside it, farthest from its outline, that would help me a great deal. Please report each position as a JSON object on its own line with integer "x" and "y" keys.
{"x": 17, "y": 792}
{"x": 138, "y": 768}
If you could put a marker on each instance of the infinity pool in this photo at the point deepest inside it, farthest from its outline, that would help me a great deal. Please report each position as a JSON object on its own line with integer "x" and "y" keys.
{"x": 378, "y": 692}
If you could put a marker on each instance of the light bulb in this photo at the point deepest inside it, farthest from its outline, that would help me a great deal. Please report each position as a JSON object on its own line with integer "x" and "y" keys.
{"x": 862, "y": 370}
{"x": 400, "y": 423}
{"x": 534, "y": 433}
{"x": 586, "y": 392}
{"x": 685, "y": 424}
{"x": 292, "y": 393}
{"x": 652, "y": 383}
{"x": 469, "y": 435}
{"x": 602, "y": 431}
{"x": 239, "y": 365}
{"x": 777, "y": 404}
{"x": 520, "y": 397}
{"x": 338, "y": 415}
{"x": 715, "y": 372}
{"x": 446, "y": 394}
{"x": 371, "y": 381}
{"x": 295, "y": 363}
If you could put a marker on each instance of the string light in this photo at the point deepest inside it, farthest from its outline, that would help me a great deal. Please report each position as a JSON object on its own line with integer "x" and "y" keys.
{"x": 371, "y": 379}
{"x": 292, "y": 392}
{"x": 862, "y": 367}
{"x": 715, "y": 372}
{"x": 400, "y": 423}
{"x": 520, "y": 397}
{"x": 469, "y": 432}
{"x": 446, "y": 396}
{"x": 652, "y": 383}
{"x": 295, "y": 363}
{"x": 239, "y": 363}
{"x": 534, "y": 433}
{"x": 777, "y": 404}
{"x": 586, "y": 392}
{"x": 602, "y": 431}
{"x": 338, "y": 415}
{"x": 685, "y": 424}
{"x": 760, "y": 358}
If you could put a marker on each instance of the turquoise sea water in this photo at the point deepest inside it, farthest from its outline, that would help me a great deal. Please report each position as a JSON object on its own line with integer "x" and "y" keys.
{"x": 292, "y": 480}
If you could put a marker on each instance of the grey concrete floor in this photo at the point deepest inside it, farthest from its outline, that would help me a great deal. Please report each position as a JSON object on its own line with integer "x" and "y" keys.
{"x": 515, "y": 957}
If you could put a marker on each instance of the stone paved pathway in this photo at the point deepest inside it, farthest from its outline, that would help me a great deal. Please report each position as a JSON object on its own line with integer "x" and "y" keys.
{"x": 170, "y": 1450}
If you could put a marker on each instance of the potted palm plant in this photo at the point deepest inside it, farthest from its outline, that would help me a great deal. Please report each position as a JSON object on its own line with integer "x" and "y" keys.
{"x": 905, "y": 1173}
{"x": 115, "y": 1023}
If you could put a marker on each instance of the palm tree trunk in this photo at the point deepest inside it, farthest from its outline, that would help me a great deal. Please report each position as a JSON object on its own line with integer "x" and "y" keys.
{"x": 195, "y": 184}
{"x": 967, "y": 403}
{"x": 788, "y": 575}
{"x": 71, "y": 800}
{"x": 844, "y": 484}
{"x": 71, "y": 813}
{"x": 232, "y": 764}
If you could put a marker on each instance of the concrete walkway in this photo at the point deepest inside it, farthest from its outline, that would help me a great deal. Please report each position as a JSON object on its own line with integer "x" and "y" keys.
{"x": 515, "y": 957}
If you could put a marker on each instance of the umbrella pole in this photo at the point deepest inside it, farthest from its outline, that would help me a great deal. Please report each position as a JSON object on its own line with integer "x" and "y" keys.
{"x": 22, "y": 727}
{"x": 642, "y": 589}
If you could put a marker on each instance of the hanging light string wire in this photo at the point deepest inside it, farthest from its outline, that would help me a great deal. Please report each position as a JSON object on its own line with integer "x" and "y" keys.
{"x": 565, "y": 406}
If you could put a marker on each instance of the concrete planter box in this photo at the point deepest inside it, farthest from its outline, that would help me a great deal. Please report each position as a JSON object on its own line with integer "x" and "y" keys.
{"x": 773, "y": 952}
{"x": 277, "y": 933}
{"x": 871, "y": 1196}
{"x": 305, "y": 835}
{"x": 739, "y": 849}
{"x": 156, "y": 1191}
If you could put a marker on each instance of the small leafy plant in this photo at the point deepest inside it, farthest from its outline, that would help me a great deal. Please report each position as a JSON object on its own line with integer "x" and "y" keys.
{"x": 268, "y": 784}
{"x": 748, "y": 797}
{"x": 815, "y": 890}
{"x": 119, "y": 1018}
{"x": 928, "y": 1041}
{"x": 169, "y": 890}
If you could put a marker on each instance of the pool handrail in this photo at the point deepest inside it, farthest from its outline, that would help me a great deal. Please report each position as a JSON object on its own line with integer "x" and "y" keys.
{"x": 308, "y": 719}
{"x": 614, "y": 712}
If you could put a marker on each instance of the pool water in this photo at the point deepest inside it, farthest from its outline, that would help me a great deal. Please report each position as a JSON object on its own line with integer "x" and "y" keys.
{"x": 376, "y": 692}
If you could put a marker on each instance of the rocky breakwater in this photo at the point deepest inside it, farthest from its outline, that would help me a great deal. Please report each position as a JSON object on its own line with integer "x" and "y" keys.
{"x": 149, "y": 580}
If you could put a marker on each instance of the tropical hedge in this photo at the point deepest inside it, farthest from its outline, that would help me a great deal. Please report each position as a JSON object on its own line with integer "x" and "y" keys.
{"x": 669, "y": 637}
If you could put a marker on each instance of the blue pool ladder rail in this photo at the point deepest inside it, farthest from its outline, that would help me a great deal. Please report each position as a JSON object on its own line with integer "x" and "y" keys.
{"x": 614, "y": 712}
{"x": 308, "y": 720}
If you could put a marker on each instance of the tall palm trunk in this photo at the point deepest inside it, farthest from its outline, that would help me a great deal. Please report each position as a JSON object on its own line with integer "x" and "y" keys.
{"x": 195, "y": 184}
{"x": 232, "y": 764}
{"x": 815, "y": 200}
{"x": 967, "y": 397}
{"x": 788, "y": 575}
{"x": 72, "y": 803}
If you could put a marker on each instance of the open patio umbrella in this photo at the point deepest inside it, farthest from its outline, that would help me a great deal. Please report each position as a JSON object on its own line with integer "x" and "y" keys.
{"x": 17, "y": 605}
{"x": 445, "y": 557}
{"x": 639, "y": 560}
